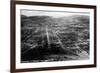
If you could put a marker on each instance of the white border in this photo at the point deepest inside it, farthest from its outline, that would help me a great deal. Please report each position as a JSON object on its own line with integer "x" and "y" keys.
{"x": 53, "y": 64}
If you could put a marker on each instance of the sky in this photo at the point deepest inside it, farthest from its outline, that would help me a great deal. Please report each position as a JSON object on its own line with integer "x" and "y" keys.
{"x": 50, "y": 13}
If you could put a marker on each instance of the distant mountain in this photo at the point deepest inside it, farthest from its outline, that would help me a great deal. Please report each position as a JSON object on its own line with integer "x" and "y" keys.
{"x": 74, "y": 19}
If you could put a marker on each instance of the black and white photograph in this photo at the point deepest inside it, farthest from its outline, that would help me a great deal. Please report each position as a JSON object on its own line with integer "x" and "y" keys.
{"x": 51, "y": 36}
{"x": 48, "y": 36}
